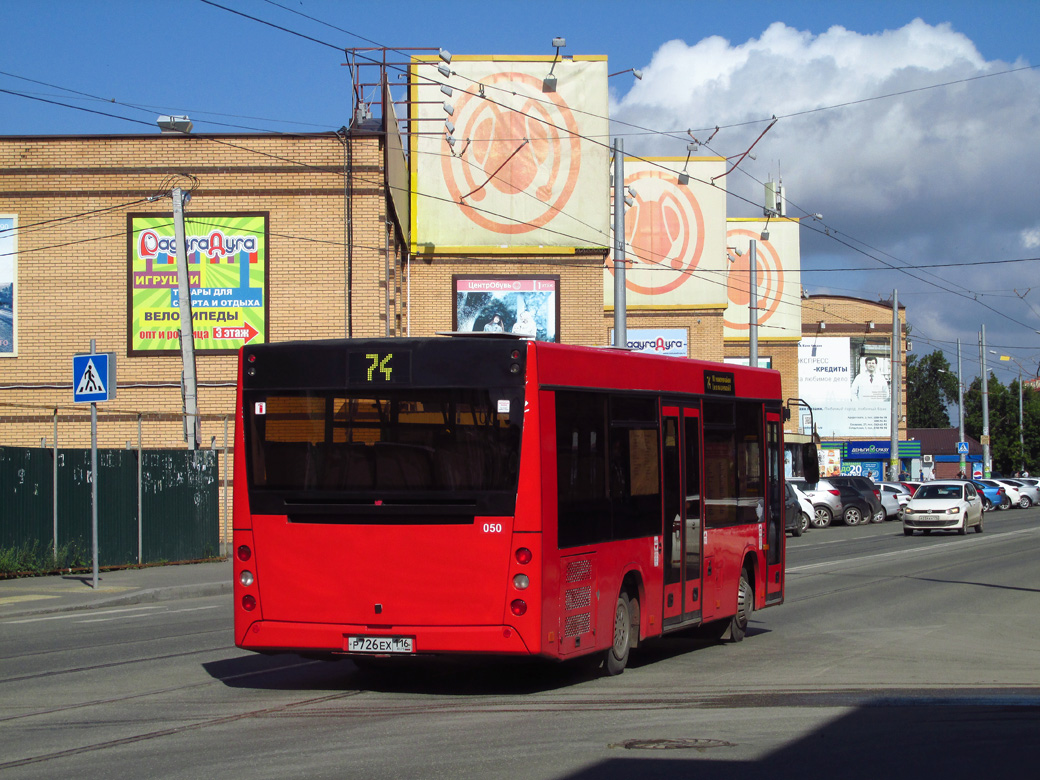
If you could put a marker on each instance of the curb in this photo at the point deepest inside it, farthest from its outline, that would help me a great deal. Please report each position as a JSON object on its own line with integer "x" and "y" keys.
{"x": 145, "y": 596}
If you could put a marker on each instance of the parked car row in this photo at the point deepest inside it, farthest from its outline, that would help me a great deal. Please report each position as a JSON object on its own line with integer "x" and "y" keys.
{"x": 852, "y": 500}
{"x": 922, "y": 506}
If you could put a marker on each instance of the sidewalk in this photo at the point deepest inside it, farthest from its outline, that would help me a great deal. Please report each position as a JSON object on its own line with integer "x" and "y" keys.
{"x": 66, "y": 592}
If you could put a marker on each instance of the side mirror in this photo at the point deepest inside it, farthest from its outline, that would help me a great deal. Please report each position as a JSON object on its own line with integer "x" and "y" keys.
{"x": 810, "y": 463}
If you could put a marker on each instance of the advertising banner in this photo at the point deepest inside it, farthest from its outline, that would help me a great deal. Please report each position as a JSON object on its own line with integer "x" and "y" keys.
{"x": 846, "y": 382}
{"x": 777, "y": 279}
{"x": 524, "y": 305}
{"x": 227, "y": 273}
{"x": 657, "y": 341}
{"x": 8, "y": 278}
{"x": 830, "y": 461}
{"x": 509, "y": 153}
{"x": 675, "y": 235}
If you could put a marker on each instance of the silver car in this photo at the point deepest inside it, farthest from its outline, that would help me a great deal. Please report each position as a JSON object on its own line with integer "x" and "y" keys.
{"x": 825, "y": 498}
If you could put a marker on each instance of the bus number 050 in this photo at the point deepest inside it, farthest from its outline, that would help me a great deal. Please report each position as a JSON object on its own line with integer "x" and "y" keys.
{"x": 492, "y": 528}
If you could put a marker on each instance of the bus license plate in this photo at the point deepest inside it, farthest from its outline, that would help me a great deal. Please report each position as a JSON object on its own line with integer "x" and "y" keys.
{"x": 380, "y": 644}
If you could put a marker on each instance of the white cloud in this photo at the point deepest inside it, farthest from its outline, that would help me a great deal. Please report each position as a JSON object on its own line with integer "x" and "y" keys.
{"x": 1031, "y": 238}
{"x": 928, "y": 175}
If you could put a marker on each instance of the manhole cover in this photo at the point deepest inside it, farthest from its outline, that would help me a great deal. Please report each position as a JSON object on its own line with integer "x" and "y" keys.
{"x": 672, "y": 744}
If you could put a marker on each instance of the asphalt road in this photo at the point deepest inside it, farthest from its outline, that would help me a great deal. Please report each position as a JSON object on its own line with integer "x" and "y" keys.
{"x": 893, "y": 657}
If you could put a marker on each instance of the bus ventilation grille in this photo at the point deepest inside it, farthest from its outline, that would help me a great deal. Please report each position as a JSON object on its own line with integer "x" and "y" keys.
{"x": 578, "y": 598}
{"x": 578, "y": 571}
{"x": 576, "y": 625}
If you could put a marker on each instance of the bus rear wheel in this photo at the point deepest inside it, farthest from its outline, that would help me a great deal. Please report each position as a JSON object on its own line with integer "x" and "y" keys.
{"x": 617, "y": 655}
{"x": 745, "y": 606}
{"x": 734, "y": 629}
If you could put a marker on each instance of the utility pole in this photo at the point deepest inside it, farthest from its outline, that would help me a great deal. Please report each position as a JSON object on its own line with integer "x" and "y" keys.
{"x": 620, "y": 314}
{"x": 192, "y": 425}
{"x": 960, "y": 405}
{"x": 893, "y": 454}
{"x": 753, "y": 306}
{"x": 987, "y": 470}
{"x": 1021, "y": 430}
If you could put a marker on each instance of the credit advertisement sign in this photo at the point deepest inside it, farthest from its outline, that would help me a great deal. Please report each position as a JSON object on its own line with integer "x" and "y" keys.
{"x": 846, "y": 382}
{"x": 227, "y": 275}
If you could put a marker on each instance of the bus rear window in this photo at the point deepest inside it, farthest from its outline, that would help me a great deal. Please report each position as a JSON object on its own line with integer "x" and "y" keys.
{"x": 406, "y": 440}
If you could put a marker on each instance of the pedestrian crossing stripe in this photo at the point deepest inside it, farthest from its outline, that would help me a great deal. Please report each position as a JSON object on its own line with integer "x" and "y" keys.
{"x": 91, "y": 382}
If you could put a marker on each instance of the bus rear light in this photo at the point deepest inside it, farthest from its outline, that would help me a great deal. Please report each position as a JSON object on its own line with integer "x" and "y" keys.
{"x": 518, "y": 607}
{"x": 521, "y": 582}
{"x": 246, "y": 577}
{"x": 523, "y": 555}
{"x": 248, "y": 603}
{"x": 244, "y": 553}
{"x": 514, "y": 369}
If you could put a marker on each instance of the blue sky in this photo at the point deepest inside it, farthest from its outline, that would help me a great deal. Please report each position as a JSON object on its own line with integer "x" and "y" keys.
{"x": 945, "y": 175}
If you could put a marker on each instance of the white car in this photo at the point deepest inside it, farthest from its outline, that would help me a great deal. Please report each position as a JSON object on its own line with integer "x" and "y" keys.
{"x": 825, "y": 498}
{"x": 807, "y": 508}
{"x": 893, "y": 498}
{"x": 943, "y": 506}
{"x": 1029, "y": 495}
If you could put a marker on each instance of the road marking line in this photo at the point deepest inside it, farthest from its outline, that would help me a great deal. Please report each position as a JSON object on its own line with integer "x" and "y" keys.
{"x": 146, "y": 614}
{"x": 70, "y": 615}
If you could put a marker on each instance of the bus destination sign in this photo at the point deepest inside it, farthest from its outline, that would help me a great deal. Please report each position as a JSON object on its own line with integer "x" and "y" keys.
{"x": 379, "y": 367}
{"x": 720, "y": 383}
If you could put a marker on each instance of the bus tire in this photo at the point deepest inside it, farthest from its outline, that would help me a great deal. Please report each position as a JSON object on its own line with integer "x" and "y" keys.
{"x": 617, "y": 655}
{"x": 738, "y": 624}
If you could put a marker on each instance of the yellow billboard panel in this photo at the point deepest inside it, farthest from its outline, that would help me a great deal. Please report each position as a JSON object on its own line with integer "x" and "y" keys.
{"x": 778, "y": 279}
{"x": 504, "y": 157}
{"x": 675, "y": 234}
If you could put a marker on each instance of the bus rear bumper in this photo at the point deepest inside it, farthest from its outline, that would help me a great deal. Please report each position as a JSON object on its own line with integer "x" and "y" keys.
{"x": 274, "y": 636}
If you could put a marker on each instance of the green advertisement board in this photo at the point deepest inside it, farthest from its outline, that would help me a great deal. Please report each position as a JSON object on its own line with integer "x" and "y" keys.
{"x": 227, "y": 275}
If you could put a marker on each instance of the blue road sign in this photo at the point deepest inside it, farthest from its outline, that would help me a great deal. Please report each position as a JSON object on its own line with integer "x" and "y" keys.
{"x": 93, "y": 377}
{"x": 962, "y": 448}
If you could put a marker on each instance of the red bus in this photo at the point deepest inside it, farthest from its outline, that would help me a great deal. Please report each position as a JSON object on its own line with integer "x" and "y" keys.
{"x": 486, "y": 494}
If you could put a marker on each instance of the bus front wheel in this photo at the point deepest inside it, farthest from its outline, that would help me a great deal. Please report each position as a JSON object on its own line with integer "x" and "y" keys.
{"x": 617, "y": 655}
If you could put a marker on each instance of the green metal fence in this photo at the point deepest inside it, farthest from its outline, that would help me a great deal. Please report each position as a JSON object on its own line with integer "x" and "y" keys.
{"x": 165, "y": 508}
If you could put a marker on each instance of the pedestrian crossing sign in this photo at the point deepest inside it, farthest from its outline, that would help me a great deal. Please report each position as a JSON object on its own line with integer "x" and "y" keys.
{"x": 93, "y": 377}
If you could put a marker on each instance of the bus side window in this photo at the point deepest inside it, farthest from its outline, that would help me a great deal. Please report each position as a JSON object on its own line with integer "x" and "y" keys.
{"x": 582, "y": 466}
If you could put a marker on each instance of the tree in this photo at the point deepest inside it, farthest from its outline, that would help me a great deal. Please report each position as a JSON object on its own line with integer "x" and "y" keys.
{"x": 1005, "y": 449}
{"x": 931, "y": 389}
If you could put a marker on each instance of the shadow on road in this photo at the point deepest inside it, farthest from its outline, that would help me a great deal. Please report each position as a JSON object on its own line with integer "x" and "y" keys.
{"x": 904, "y": 740}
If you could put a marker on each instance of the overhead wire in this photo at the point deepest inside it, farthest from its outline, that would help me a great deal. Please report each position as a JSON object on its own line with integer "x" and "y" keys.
{"x": 566, "y": 130}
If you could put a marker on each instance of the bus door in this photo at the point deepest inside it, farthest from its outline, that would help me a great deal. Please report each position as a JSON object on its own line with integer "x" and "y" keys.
{"x": 683, "y": 532}
{"x": 775, "y": 536}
